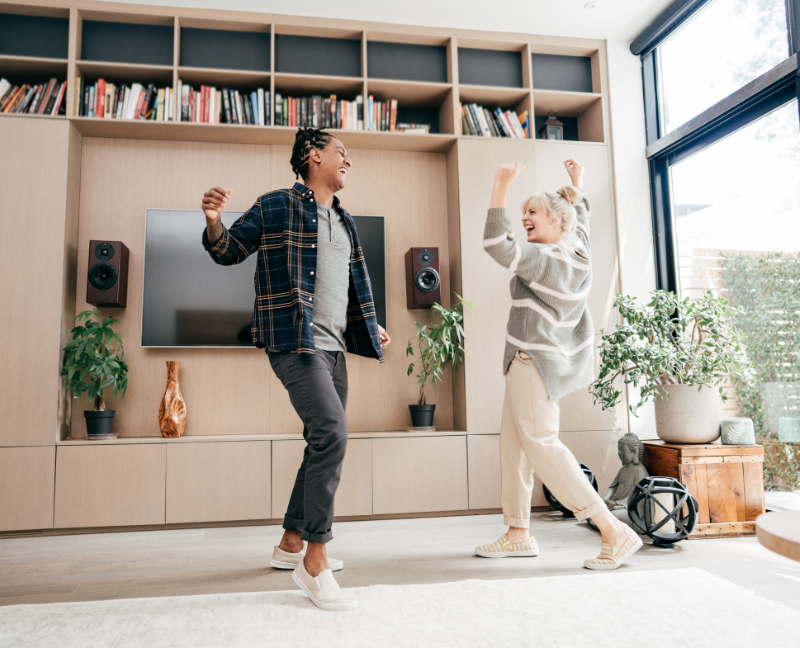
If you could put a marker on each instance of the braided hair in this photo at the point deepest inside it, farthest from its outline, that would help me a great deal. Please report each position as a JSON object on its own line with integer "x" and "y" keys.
{"x": 305, "y": 140}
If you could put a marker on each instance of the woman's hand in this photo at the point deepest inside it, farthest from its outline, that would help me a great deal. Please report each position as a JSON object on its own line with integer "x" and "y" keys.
{"x": 503, "y": 179}
{"x": 575, "y": 170}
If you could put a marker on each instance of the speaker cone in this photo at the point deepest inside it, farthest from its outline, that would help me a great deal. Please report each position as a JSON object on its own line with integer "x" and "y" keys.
{"x": 426, "y": 279}
{"x": 104, "y": 252}
{"x": 103, "y": 276}
{"x": 425, "y": 258}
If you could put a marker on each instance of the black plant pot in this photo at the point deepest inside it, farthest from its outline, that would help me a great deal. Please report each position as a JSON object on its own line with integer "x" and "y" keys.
{"x": 422, "y": 415}
{"x": 98, "y": 424}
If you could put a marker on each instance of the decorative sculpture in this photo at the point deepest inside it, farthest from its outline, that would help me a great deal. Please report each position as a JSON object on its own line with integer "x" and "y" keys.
{"x": 737, "y": 431}
{"x": 552, "y": 501}
{"x": 172, "y": 412}
{"x": 665, "y": 525}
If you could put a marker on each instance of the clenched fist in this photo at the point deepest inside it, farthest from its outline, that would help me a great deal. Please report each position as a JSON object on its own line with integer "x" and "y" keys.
{"x": 214, "y": 202}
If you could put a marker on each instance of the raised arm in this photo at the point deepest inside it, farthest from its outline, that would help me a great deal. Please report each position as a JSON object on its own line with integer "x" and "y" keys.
{"x": 228, "y": 247}
{"x": 576, "y": 170}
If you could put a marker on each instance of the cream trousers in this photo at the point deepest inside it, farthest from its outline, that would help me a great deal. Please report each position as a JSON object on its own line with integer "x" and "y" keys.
{"x": 529, "y": 443}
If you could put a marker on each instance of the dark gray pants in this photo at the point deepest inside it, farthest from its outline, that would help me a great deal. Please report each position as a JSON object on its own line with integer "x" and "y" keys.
{"x": 317, "y": 386}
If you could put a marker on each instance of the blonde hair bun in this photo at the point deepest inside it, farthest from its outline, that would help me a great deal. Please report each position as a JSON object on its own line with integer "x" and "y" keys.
{"x": 569, "y": 194}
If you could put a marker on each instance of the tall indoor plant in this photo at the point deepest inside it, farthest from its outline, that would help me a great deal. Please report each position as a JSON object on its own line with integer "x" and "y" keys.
{"x": 675, "y": 351}
{"x": 439, "y": 346}
{"x": 93, "y": 361}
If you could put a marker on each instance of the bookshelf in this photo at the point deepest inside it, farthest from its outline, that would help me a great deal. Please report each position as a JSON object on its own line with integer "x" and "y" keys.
{"x": 429, "y": 74}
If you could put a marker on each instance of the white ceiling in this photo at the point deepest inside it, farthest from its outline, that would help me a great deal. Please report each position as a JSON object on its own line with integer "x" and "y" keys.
{"x": 611, "y": 19}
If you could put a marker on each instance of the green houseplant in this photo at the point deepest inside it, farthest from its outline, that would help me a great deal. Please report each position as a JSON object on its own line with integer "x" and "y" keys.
{"x": 675, "y": 351}
{"x": 93, "y": 361}
{"x": 439, "y": 346}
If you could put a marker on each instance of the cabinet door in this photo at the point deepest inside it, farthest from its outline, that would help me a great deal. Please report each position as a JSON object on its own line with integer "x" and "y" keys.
{"x": 110, "y": 485}
{"x": 354, "y": 496}
{"x": 483, "y": 453}
{"x": 26, "y": 488}
{"x": 419, "y": 474}
{"x": 218, "y": 482}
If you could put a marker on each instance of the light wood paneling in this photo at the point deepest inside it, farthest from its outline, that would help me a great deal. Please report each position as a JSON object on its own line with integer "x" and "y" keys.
{"x": 354, "y": 495}
{"x": 226, "y": 390}
{"x": 218, "y": 482}
{"x": 419, "y": 475}
{"x": 483, "y": 470}
{"x": 35, "y": 168}
{"x": 110, "y": 486}
{"x": 486, "y": 282}
{"x": 410, "y": 191}
{"x": 26, "y": 488}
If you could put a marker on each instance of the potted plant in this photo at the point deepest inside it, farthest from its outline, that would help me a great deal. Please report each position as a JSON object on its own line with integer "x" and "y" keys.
{"x": 439, "y": 346}
{"x": 93, "y": 361}
{"x": 676, "y": 352}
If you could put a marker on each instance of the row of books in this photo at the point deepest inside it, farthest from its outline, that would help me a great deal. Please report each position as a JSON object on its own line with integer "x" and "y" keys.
{"x": 479, "y": 121}
{"x": 319, "y": 112}
{"x": 109, "y": 101}
{"x": 39, "y": 99}
{"x": 210, "y": 105}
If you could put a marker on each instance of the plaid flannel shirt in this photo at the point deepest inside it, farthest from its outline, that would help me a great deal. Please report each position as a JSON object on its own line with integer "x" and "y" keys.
{"x": 282, "y": 226}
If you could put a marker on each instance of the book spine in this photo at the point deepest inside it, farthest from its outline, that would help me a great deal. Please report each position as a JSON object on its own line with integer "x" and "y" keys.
{"x": 46, "y": 97}
{"x": 260, "y": 106}
{"x": 267, "y": 108}
{"x": 393, "y": 116}
{"x": 59, "y": 98}
{"x": 184, "y": 92}
{"x": 38, "y": 91}
{"x": 10, "y": 98}
{"x": 100, "y": 99}
{"x": 226, "y": 106}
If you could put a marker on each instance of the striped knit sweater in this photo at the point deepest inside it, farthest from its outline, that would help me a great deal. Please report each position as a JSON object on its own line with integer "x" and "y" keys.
{"x": 549, "y": 317}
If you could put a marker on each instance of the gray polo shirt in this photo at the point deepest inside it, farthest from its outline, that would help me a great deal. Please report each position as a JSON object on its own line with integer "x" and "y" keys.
{"x": 332, "y": 283}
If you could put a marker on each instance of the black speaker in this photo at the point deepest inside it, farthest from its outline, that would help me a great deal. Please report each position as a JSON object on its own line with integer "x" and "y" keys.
{"x": 107, "y": 277}
{"x": 423, "y": 283}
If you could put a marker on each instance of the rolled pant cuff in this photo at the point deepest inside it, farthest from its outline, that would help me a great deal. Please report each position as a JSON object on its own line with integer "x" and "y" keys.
{"x": 516, "y": 522}
{"x": 290, "y": 524}
{"x": 594, "y": 509}
{"x": 321, "y": 538}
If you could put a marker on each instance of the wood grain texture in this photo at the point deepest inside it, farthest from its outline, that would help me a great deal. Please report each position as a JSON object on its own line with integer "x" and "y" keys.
{"x": 26, "y": 488}
{"x": 708, "y": 449}
{"x": 702, "y": 495}
{"x": 172, "y": 411}
{"x": 226, "y": 390}
{"x": 483, "y": 470}
{"x": 780, "y": 532}
{"x": 218, "y": 481}
{"x": 419, "y": 475}
{"x": 354, "y": 495}
{"x": 662, "y": 462}
{"x": 723, "y": 530}
{"x": 110, "y": 485}
{"x": 32, "y": 271}
{"x": 753, "y": 490}
{"x": 721, "y": 504}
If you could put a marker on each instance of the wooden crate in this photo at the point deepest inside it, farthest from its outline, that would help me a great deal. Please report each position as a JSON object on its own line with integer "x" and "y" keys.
{"x": 727, "y": 481}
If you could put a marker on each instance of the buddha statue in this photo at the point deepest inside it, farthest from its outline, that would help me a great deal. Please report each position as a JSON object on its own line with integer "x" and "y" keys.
{"x": 630, "y": 450}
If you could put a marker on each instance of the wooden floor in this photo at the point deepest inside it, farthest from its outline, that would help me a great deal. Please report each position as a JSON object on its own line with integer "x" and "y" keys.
{"x": 432, "y": 550}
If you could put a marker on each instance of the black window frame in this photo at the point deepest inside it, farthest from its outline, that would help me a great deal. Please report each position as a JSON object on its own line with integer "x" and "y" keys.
{"x": 764, "y": 94}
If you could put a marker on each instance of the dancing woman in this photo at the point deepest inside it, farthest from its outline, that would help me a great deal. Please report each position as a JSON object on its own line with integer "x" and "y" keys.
{"x": 548, "y": 355}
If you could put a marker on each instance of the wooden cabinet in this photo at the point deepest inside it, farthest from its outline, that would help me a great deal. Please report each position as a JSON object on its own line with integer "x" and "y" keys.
{"x": 26, "y": 488}
{"x": 110, "y": 485}
{"x": 726, "y": 480}
{"x": 354, "y": 496}
{"x": 483, "y": 467}
{"x": 218, "y": 482}
{"x": 419, "y": 474}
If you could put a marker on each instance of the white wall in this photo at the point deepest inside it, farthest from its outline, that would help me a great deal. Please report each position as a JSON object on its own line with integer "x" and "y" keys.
{"x": 632, "y": 185}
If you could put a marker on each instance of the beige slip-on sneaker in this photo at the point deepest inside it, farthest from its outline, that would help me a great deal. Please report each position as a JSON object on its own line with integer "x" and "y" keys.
{"x": 612, "y": 557}
{"x": 284, "y": 560}
{"x": 323, "y": 590}
{"x": 504, "y": 548}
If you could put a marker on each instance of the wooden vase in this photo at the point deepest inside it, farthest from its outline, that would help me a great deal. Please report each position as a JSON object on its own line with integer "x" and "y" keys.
{"x": 172, "y": 411}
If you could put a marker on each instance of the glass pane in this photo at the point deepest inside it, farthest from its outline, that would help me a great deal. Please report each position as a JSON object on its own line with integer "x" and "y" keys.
{"x": 737, "y": 222}
{"x": 725, "y": 46}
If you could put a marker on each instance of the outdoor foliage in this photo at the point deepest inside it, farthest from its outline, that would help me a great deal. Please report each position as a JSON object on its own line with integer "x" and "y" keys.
{"x": 767, "y": 288}
{"x": 439, "y": 345}
{"x": 94, "y": 359}
{"x": 668, "y": 341}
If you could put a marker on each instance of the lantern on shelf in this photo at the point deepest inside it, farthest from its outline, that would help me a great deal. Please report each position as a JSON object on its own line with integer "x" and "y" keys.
{"x": 552, "y": 129}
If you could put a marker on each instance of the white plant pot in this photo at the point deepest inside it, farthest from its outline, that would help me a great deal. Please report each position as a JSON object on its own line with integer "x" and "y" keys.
{"x": 687, "y": 415}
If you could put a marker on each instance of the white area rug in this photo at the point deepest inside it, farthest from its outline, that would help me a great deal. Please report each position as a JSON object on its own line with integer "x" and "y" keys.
{"x": 617, "y": 610}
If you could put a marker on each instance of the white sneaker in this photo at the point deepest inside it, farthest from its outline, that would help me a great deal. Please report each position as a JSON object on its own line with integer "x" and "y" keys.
{"x": 323, "y": 590}
{"x": 612, "y": 557}
{"x": 284, "y": 560}
{"x": 504, "y": 548}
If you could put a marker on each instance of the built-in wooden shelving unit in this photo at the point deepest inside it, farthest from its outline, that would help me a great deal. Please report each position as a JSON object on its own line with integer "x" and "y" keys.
{"x": 430, "y": 75}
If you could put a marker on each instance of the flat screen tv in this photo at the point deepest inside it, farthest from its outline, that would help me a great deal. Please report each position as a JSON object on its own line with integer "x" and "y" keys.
{"x": 190, "y": 301}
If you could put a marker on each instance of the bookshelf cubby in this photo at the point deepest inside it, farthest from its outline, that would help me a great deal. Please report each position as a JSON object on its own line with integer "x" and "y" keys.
{"x": 407, "y": 62}
{"x": 35, "y": 36}
{"x": 24, "y": 69}
{"x": 558, "y": 72}
{"x": 119, "y": 42}
{"x": 317, "y": 55}
{"x": 486, "y": 67}
{"x": 225, "y": 49}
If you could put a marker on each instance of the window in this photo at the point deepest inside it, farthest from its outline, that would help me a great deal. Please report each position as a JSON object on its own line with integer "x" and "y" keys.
{"x": 722, "y": 48}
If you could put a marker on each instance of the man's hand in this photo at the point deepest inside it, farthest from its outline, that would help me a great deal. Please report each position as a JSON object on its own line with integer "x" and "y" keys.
{"x": 214, "y": 202}
{"x": 384, "y": 337}
{"x": 575, "y": 170}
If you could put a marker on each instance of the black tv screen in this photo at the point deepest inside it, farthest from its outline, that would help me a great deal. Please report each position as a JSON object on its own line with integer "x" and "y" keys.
{"x": 188, "y": 300}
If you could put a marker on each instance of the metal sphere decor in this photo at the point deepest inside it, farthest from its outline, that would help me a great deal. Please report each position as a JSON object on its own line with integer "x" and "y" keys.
{"x": 552, "y": 501}
{"x": 683, "y": 512}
